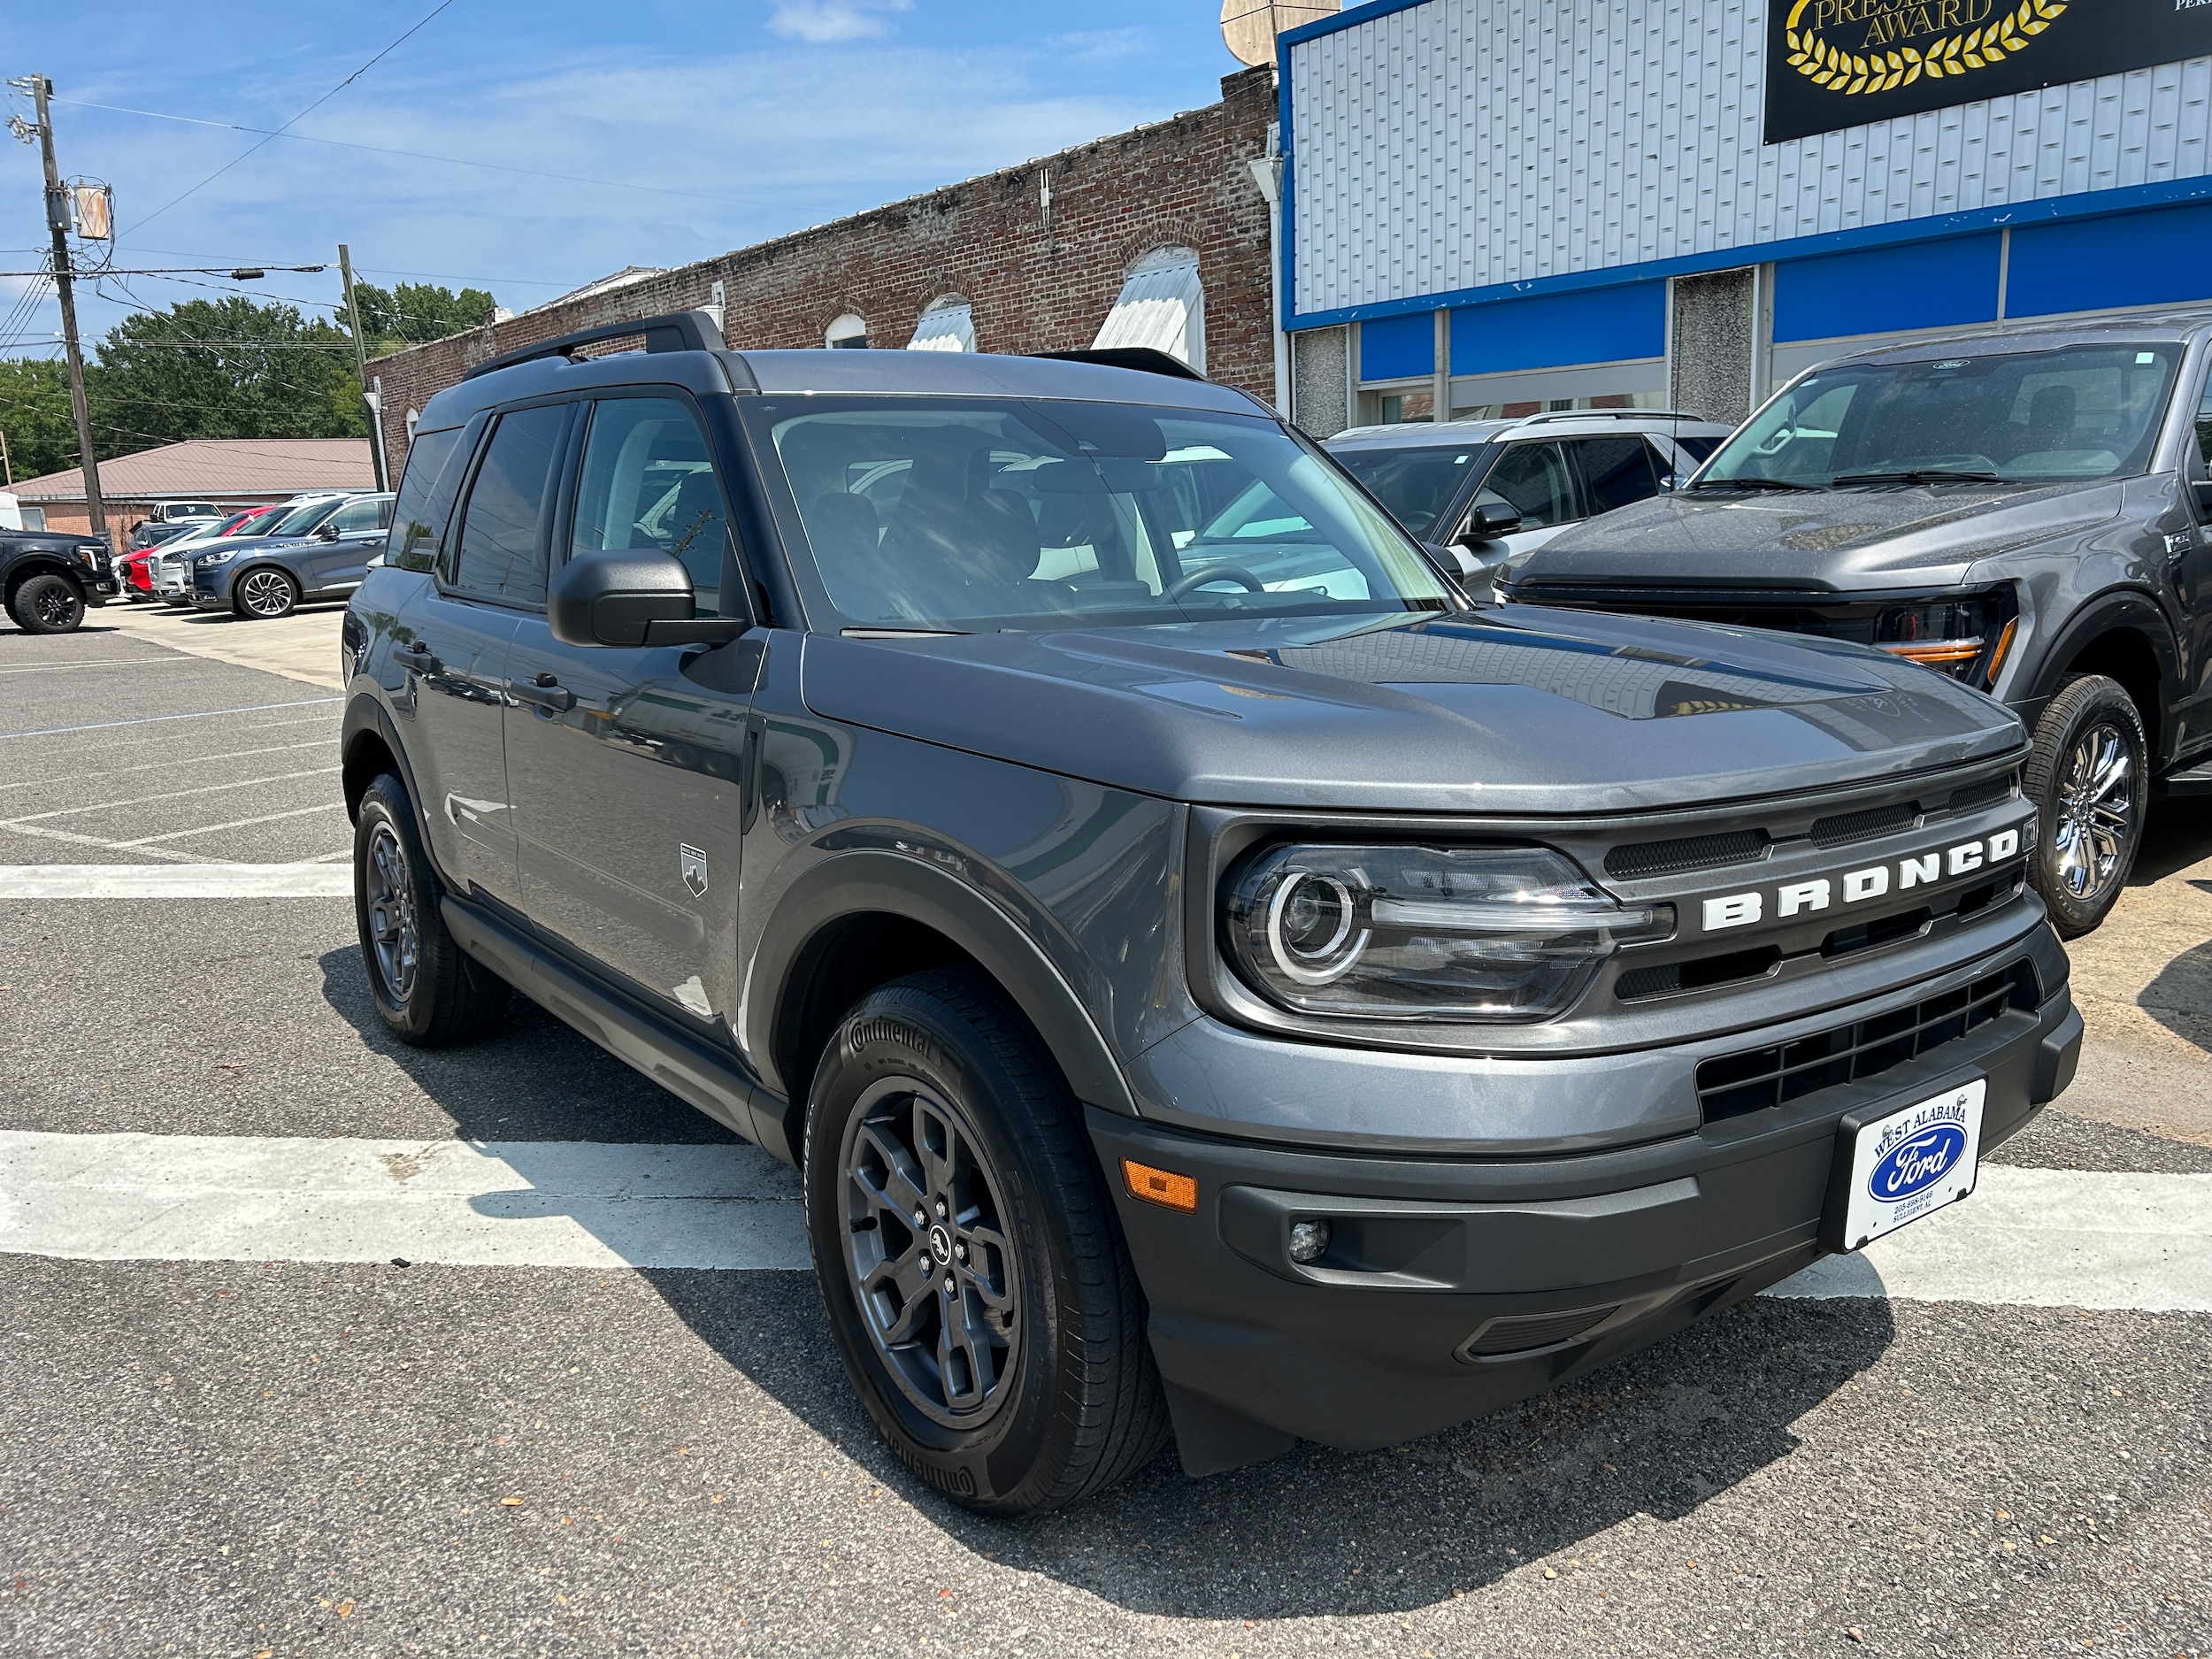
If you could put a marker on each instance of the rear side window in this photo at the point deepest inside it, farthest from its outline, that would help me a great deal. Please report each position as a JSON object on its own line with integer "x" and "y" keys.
{"x": 502, "y": 553}
{"x": 649, "y": 482}
{"x": 357, "y": 517}
{"x": 426, "y": 500}
{"x": 1616, "y": 471}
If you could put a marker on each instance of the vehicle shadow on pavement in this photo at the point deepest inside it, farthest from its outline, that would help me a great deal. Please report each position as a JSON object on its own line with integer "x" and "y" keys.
{"x": 1318, "y": 1532}
{"x": 1315, "y": 1531}
{"x": 2179, "y": 997}
{"x": 2178, "y": 833}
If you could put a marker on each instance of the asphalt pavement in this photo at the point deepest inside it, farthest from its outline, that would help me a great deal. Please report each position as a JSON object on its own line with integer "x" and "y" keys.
{"x": 224, "y": 1436}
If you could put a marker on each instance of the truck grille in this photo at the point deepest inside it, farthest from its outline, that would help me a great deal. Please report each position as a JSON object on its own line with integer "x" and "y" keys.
{"x": 1639, "y": 860}
{"x": 1752, "y": 1082}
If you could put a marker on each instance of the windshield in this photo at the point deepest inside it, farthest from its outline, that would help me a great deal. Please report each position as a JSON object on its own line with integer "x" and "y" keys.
{"x": 2030, "y": 417}
{"x": 1415, "y": 483}
{"x": 969, "y": 513}
{"x": 300, "y": 519}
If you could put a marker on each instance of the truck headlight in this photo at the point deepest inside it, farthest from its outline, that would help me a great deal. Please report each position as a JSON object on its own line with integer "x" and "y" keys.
{"x": 1965, "y": 637}
{"x": 1467, "y": 934}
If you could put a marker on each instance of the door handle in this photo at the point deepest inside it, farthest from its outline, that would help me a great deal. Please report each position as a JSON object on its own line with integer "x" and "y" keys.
{"x": 416, "y": 656}
{"x": 544, "y": 692}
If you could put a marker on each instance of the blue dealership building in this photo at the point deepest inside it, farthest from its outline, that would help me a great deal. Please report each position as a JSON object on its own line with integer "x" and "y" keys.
{"x": 1499, "y": 205}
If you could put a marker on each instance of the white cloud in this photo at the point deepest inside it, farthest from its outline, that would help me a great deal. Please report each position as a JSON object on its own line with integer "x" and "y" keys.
{"x": 822, "y": 21}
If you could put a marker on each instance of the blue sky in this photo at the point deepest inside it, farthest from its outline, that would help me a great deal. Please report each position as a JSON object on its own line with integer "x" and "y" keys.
{"x": 715, "y": 126}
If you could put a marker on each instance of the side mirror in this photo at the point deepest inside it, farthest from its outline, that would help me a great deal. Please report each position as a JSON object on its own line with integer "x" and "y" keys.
{"x": 638, "y": 596}
{"x": 1492, "y": 519}
{"x": 1672, "y": 481}
{"x": 325, "y": 532}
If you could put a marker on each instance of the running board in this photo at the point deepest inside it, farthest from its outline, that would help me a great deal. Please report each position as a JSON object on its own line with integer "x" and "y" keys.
{"x": 686, "y": 1068}
{"x": 2196, "y": 780}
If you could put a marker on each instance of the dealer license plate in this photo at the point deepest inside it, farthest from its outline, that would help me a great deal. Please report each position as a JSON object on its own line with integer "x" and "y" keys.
{"x": 1912, "y": 1161}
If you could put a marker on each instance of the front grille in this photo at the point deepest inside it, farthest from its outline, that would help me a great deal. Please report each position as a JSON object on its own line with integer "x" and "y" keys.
{"x": 1840, "y": 829}
{"x": 1519, "y": 1333}
{"x": 1760, "y": 1078}
{"x": 1986, "y": 793}
{"x": 1701, "y": 973}
{"x": 1640, "y": 859}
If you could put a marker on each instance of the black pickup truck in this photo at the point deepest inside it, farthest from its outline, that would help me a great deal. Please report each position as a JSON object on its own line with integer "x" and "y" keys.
{"x": 1210, "y": 974}
{"x": 48, "y": 581}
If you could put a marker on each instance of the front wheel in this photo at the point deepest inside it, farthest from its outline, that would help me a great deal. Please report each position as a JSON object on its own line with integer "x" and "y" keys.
{"x": 265, "y": 594}
{"x": 47, "y": 605}
{"x": 427, "y": 990}
{"x": 976, "y": 1279}
{"x": 2089, "y": 775}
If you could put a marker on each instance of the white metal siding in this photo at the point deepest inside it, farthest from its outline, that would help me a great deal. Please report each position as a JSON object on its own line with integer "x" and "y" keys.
{"x": 1463, "y": 143}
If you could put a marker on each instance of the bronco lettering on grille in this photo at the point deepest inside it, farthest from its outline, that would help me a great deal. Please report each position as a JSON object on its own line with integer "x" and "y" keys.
{"x": 1858, "y": 886}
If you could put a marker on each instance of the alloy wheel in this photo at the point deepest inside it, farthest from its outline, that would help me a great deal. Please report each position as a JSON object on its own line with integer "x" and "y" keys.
{"x": 57, "y": 608}
{"x": 265, "y": 593}
{"x": 2097, "y": 810}
{"x": 393, "y": 925}
{"x": 927, "y": 1251}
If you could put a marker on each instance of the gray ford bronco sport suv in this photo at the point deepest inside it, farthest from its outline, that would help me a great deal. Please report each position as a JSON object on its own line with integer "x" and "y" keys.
{"x": 1210, "y": 975}
{"x": 2029, "y": 512}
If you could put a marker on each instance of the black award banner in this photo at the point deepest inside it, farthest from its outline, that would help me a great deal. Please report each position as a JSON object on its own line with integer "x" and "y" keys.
{"x": 1841, "y": 63}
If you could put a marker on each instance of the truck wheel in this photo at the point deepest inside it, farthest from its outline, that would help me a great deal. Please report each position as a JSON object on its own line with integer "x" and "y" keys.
{"x": 47, "y": 603}
{"x": 2089, "y": 776}
{"x": 429, "y": 992}
{"x": 265, "y": 594}
{"x": 977, "y": 1282}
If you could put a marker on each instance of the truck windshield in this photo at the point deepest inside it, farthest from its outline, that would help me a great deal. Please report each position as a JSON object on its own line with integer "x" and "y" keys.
{"x": 2075, "y": 412}
{"x": 1416, "y": 482}
{"x": 972, "y": 513}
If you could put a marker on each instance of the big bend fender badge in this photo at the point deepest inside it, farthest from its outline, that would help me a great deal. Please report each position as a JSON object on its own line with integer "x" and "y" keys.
{"x": 694, "y": 869}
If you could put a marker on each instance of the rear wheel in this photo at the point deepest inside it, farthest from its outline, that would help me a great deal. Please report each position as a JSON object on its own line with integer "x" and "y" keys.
{"x": 975, "y": 1275}
{"x": 428, "y": 991}
{"x": 47, "y": 603}
{"x": 2089, "y": 775}
{"x": 265, "y": 594}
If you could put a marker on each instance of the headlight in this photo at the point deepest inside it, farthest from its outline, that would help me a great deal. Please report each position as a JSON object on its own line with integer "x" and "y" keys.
{"x": 1491, "y": 934}
{"x": 1965, "y": 637}
{"x": 203, "y": 560}
{"x": 91, "y": 555}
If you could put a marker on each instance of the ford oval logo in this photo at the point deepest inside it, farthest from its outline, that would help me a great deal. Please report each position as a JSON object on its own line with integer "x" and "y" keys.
{"x": 1917, "y": 1163}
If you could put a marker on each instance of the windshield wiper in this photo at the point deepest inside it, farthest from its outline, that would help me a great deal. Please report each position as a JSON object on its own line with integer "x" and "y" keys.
{"x": 1753, "y": 483}
{"x": 1918, "y": 475}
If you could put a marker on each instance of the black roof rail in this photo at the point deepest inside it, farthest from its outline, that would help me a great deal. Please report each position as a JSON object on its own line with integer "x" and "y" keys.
{"x": 1145, "y": 359}
{"x": 677, "y": 331}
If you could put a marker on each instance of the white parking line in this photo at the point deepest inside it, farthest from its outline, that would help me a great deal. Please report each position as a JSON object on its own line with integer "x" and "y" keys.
{"x": 169, "y": 794}
{"x": 506, "y": 1203}
{"x": 311, "y": 880}
{"x": 103, "y": 662}
{"x": 73, "y": 775}
{"x": 2050, "y": 1238}
{"x": 154, "y": 719}
{"x": 238, "y": 823}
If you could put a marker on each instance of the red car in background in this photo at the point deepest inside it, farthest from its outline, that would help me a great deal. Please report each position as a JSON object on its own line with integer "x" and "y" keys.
{"x": 136, "y": 569}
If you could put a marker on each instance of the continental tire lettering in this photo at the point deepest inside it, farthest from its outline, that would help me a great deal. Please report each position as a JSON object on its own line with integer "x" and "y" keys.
{"x": 893, "y": 1031}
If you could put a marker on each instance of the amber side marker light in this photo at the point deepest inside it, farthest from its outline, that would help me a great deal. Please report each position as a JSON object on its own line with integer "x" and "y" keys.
{"x": 1163, "y": 1187}
{"x": 2004, "y": 644}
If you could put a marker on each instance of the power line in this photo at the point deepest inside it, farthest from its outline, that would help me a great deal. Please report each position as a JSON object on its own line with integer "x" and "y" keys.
{"x": 303, "y": 115}
{"x": 411, "y": 155}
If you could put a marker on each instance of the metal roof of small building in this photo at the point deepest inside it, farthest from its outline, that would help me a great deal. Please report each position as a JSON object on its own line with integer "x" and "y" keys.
{"x": 263, "y": 468}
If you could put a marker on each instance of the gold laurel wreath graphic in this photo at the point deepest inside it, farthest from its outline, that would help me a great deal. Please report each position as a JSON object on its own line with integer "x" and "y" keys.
{"x": 1839, "y": 71}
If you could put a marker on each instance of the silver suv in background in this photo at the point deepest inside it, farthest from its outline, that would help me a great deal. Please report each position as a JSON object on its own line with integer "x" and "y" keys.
{"x": 1487, "y": 490}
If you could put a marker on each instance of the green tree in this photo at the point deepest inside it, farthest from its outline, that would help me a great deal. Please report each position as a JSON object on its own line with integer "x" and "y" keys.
{"x": 407, "y": 315}
{"x": 34, "y": 414}
{"x": 227, "y": 368}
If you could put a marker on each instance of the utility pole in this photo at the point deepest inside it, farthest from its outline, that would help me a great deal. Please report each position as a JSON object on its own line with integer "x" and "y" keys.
{"x": 58, "y": 222}
{"x": 361, "y": 366}
{"x": 6, "y": 465}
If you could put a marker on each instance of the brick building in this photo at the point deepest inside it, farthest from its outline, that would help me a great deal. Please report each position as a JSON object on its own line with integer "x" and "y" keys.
{"x": 228, "y": 473}
{"x": 1040, "y": 253}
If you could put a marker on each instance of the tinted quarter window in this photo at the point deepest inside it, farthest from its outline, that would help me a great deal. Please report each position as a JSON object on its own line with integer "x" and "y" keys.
{"x": 1616, "y": 471}
{"x": 1533, "y": 477}
{"x": 2204, "y": 432}
{"x": 426, "y": 500}
{"x": 357, "y": 517}
{"x": 648, "y": 482}
{"x": 502, "y": 545}
{"x": 1415, "y": 484}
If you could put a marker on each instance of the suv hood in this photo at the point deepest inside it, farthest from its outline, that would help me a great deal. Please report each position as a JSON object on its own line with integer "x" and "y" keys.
{"x": 1513, "y": 709}
{"x": 1863, "y": 537}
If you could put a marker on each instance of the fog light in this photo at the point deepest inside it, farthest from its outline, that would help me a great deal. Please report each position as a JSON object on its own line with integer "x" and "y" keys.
{"x": 1308, "y": 1240}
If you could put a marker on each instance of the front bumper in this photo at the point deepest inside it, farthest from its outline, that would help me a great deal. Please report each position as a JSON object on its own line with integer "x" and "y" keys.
{"x": 1457, "y": 1285}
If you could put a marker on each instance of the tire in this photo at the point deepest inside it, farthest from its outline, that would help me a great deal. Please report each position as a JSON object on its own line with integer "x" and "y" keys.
{"x": 2089, "y": 776}
{"x": 47, "y": 603}
{"x": 428, "y": 991}
{"x": 935, "y": 1088}
{"x": 263, "y": 593}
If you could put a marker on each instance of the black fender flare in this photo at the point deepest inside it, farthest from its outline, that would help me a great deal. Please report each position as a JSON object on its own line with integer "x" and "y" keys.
{"x": 366, "y": 713}
{"x": 2125, "y": 609}
{"x": 40, "y": 565}
{"x": 862, "y": 880}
